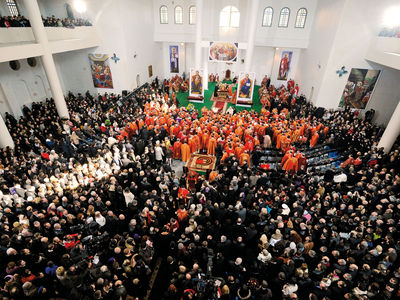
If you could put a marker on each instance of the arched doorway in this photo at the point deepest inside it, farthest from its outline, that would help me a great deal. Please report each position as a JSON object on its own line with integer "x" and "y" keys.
{"x": 228, "y": 74}
{"x": 40, "y": 89}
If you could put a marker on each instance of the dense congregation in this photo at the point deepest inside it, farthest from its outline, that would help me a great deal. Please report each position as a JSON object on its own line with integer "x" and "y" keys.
{"x": 91, "y": 205}
{"x": 21, "y": 21}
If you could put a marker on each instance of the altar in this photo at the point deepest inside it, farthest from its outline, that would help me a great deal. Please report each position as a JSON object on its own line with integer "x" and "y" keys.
{"x": 222, "y": 95}
{"x": 223, "y": 92}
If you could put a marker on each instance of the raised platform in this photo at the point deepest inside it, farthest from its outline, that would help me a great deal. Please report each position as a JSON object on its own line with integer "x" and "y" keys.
{"x": 201, "y": 163}
{"x": 196, "y": 99}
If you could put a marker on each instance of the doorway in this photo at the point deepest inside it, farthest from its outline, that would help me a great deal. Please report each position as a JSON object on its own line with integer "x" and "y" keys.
{"x": 138, "y": 80}
{"x": 228, "y": 74}
{"x": 311, "y": 93}
{"x": 4, "y": 105}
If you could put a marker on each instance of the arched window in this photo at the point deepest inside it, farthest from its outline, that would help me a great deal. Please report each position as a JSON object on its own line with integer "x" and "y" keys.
{"x": 284, "y": 17}
{"x": 178, "y": 15}
{"x": 164, "y": 14}
{"x": 192, "y": 15}
{"x": 301, "y": 18}
{"x": 12, "y": 7}
{"x": 267, "y": 17}
{"x": 229, "y": 17}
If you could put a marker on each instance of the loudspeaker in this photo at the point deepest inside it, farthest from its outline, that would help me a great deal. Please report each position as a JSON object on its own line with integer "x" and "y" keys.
{"x": 124, "y": 93}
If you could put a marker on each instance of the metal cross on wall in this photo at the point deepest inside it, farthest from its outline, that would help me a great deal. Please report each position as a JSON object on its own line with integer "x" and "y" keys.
{"x": 342, "y": 71}
{"x": 115, "y": 58}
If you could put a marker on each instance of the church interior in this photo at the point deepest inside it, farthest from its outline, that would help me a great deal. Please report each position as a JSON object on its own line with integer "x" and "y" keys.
{"x": 200, "y": 149}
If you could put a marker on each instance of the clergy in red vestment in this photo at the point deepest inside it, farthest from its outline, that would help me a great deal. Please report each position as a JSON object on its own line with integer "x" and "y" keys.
{"x": 212, "y": 144}
{"x": 185, "y": 152}
{"x": 177, "y": 154}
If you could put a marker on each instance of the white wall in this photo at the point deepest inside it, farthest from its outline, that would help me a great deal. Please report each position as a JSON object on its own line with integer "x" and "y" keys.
{"x": 74, "y": 71}
{"x": 296, "y": 57}
{"x": 126, "y": 29}
{"x": 314, "y": 59}
{"x": 24, "y": 86}
{"x": 166, "y": 59}
{"x": 290, "y": 36}
{"x": 386, "y": 95}
{"x": 349, "y": 44}
{"x": 173, "y": 32}
{"x": 265, "y": 36}
{"x": 56, "y": 8}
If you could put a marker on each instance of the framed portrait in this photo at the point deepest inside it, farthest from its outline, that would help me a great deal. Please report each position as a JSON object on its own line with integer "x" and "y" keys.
{"x": 174, "y": 59}
{"x": 359, "y": 88}
{"x": 223, "y": 52}
{"x": 196, "y": 83}
{"x": 284, "y": 65}
{"x": 245, "y": 88}
{"x": 101, "y": 72}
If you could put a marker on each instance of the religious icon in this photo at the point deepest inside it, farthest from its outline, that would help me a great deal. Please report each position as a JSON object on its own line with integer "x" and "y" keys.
{"x": 196, "y": 83}
{"x": 284, "y": 65}
{"x": 174, "y": 59}
{"x": 246, "y": 87}
{"x": 101, "y": 72}
{"x": 359, "y": 88}
{"x": 223, "y": 52}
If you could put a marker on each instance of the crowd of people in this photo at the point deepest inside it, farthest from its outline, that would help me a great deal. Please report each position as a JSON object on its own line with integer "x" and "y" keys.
{"x": 65, "y": 22}
{"x": 390, "y": 32}
{"x": 89, "y": 204}
{"x": 21, "y": 21}
{"x": 14, "y": 21}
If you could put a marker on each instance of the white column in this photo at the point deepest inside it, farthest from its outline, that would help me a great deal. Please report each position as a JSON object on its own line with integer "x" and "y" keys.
{"x": 5, "y": 137}
{"x": 32, "y": 9}
{"x": 392, "y": 131}
{"x": 251, "y": 34}
{"x": 199, "y": 24}
{"x": 205, "y": 68}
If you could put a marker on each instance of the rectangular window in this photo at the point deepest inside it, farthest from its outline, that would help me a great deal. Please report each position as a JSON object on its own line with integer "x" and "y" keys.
{"x": 12, "y": 7}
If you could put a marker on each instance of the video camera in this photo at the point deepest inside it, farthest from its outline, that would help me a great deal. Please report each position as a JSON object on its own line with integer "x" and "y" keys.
{"x": 94, "y": 244}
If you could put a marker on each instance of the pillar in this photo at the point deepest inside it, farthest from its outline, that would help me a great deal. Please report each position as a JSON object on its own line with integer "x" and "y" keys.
{"x": 199, "y": 24}
{"x": 392, "y": 131}
{"x": 5, "y": 136}
{"x": 205, "y": 68}
{"x": 252, "y": 25}
{"x": 32, "y": 9}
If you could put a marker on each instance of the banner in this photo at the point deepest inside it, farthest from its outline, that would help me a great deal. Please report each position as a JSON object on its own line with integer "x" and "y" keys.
{"x": 223, "y": 52}
{"x": 101, "y": 72}
{"x": 174, "y": 59}
{"x": 284, "y": 65}
{"x": 196, "y": 83}
{"x": 245, "y": 88}
{"x": 359, "y": 87}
